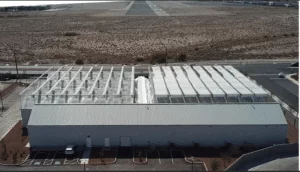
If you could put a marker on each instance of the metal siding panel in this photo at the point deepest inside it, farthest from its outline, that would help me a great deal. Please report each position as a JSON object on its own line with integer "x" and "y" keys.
{"x": 142, "y": 135}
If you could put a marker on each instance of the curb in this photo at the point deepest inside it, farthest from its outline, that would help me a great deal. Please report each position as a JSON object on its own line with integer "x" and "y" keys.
{"x": 193, "y": 162}
{"x": 139, "y": 162}
{"x": 107, "y": 162}
{"x": 291, "y": 79}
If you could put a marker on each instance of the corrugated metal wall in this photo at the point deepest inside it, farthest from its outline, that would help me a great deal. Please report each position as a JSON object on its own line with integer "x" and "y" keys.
{"x": 60, "y": 136}
{"x": 25, "y": 114}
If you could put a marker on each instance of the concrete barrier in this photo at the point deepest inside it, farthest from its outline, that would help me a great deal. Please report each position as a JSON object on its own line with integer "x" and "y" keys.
{"x": 249, "y": 160}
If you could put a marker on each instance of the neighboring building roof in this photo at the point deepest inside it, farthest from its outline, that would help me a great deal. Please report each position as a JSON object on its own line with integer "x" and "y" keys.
{"x": 141, "y": 114}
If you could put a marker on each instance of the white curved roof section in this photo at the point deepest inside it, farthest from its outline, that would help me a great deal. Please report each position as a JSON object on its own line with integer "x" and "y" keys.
{"x": 244, "y": 91}
{"x": 171, "y": 82}
{"x": 257, "y": 90}
{"x": 183, "y": 82}
{"x": 160, "y": 88}
{"x": 224, "y": 85}
{"x": 143, "y": 94}
{"x": 198, "y": 85}
{"x": 215, "y": 90}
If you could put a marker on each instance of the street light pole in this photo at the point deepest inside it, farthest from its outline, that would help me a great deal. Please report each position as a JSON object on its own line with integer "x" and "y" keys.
{"x": 17, "y": 77}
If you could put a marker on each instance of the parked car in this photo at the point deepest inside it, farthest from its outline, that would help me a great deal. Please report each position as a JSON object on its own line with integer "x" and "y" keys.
{"x": 70, "y": 150}
{"x": 281, "y": 75}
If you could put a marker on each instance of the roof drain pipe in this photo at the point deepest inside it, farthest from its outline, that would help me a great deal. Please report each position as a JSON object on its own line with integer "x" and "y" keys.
{"x": 80, "y": 96}
{"x": 91, "y": 75}
{"x": 86, "y": 84}
{"x": 93, "y": 96}
{"x": 70, "y": 75}
{"x": 59, "y": 75}
{"x": 74, "y": 84}
{"x": 62, "y": 84}
{"x": 50, "y": 84}
{"x": 53, "y": 96}
{"x": 98, "y": 83}
{"x": 80, "y": 75}
{"x": 39, "y": 97}
{"x": 66, "y": 96}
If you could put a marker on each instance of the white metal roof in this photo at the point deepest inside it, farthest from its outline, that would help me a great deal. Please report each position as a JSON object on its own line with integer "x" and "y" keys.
{"x": 151, "y": 114}
{"x": 196, "y": 82}
{"x": 183, "y": 82}
{"x": 234, "y": 82}
{"x": 158, "y": 82}
{"x": 171, "y": 82}
{"x": 257, "y": 90}
{"x": 223, "y": 84}
{"x": 209, "y": 82}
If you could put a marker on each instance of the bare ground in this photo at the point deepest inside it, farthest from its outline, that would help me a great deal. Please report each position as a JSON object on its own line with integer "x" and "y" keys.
{"x": 235, "y": 33}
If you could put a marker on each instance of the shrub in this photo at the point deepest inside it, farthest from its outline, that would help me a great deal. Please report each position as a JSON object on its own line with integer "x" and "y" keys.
{"x": 79, "y": 62}
{"x": 196, "y": 48}
{"x": 158, "y": 57}
{"x": 293, "y": 34}
{"x": 71, "y": 34}
{"x": 182, "y": 57}
{"x": 285, "y": 35}
{"x": 215, "y": 165}
{"x": 234, "y": 151}
{"x": 15, "y": 156}
{"x": 265, "y": 36}
{"x": 139, "y": 59}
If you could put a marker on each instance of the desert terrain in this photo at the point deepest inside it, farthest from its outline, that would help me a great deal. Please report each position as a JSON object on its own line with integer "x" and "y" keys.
{"x": 105, "y": 33}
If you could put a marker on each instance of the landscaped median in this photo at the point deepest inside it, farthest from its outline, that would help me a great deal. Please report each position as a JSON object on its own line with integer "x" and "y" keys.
{"x": 13, "y": 150}
{"x": 139, "y": 156}
{"x": 103, "y": 156}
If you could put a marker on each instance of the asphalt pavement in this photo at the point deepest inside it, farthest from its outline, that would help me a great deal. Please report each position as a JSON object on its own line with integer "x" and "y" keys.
{"x": 267, "y": 76}
{"x": 140, "y": 8}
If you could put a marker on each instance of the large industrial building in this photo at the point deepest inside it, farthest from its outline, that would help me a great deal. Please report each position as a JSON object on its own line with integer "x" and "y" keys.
{"x": 149, "y": 106}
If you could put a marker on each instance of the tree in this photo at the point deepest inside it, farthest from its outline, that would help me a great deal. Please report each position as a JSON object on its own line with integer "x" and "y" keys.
{"x": 215, "y": 165}
{"x": 182, "y": 57}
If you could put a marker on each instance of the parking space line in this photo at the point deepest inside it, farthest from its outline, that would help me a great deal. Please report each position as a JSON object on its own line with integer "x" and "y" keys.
{"x": 171, "y": 157}
{"x": 73, "y": 161}
{"x": 34, "y": 158}
{"x": 49, "y": 161}
{"x": 159, "y": 157}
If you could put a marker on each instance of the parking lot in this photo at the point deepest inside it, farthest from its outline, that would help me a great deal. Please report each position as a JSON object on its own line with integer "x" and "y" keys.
{"x": 48, "y": 158}
{"x": 125, "y": 158}
{"x": 156, "y": 159}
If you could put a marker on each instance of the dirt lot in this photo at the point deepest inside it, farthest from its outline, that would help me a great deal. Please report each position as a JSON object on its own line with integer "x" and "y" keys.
{"x": 232, "y": 33}
{"x": 293, "y": 134}
{"x": 12, "y": 147}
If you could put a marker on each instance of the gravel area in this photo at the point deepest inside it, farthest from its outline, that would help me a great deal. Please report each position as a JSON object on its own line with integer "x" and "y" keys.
{"x": 104, "y": 35}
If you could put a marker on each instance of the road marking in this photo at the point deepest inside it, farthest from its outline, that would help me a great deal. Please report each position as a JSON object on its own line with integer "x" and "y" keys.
{"x": 262, "y": 74}
{"x": 49, "y": 161}
{"x": 172, "y": 157}
{"x": 157, "y": 10}
{"x": 159, "y": 157}
{"x": 181, "y": 4}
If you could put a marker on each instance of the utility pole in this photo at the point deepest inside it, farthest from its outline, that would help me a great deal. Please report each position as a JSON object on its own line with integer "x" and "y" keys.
{"x": 14, "y": 53}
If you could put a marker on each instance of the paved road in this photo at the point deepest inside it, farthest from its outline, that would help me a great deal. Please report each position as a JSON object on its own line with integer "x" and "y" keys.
{"x": 140, "y": 8}
{"x": 267, "y": 76}
{"x": 284, "y": 164}
{"x": 12, "y": 115}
